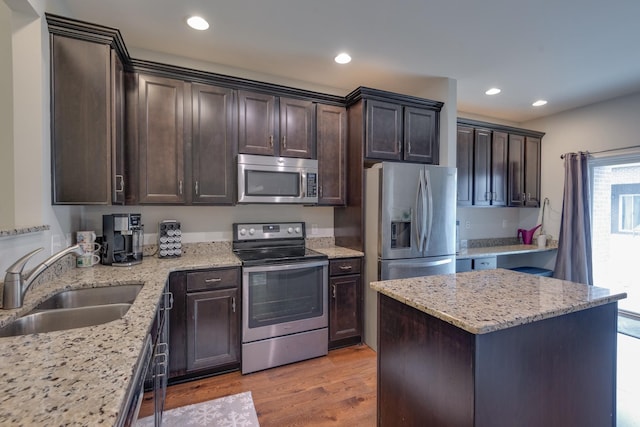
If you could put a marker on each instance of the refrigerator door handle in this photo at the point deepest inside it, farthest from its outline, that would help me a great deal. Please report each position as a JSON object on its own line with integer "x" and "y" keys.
{"x": 421, "y": 218}
{"x": 417, "y": 218}
{"x": 428, "y": 208}
{"x": 423, "y": 264}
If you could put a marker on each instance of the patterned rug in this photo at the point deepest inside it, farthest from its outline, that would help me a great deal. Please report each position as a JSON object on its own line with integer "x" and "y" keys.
{"x": 236, "y": 410}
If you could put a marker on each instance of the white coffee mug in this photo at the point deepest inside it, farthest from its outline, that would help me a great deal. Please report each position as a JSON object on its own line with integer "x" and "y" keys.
{"x": 90, "y": 248}
{"x": 87, "y": 260}
{"x": 85, "y": 236}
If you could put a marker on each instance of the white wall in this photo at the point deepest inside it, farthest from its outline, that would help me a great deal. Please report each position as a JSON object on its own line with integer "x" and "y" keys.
{"x": 6, "y": 120}
{"x": 31, "y": 140}
{"x": 605, "y": 125}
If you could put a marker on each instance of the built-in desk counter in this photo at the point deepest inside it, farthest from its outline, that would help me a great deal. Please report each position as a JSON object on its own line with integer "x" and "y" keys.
{"x": 496, "y": 348}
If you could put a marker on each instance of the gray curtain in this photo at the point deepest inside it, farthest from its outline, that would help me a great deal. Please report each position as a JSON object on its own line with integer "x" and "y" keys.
{"x": 574, "y": 261}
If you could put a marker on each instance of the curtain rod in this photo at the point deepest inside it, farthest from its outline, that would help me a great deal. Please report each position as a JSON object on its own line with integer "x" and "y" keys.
{"x": 604, "y": 151}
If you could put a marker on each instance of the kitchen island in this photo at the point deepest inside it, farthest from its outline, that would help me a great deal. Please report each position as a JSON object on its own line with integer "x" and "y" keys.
{"x": 495, "y": 348}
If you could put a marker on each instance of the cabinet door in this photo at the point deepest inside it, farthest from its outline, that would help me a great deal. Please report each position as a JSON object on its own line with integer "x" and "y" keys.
{"x": 178, "y": 325}
{"x": 345, "y": 308}
{"x": 213, "y": 142}
{"x": 516, "y": 170}
{"x": 499, "y": 150}
{"x": 117, "y": 130}
{"x": 331, "y": 140}
{"x": 296, "y": 128}
{"x": 421, "y": 135}
{"x": 383, "y": 138}
{"x": 464, "y": 163}
{"x": 80, "y": 121}
{"x": 482, "y": 168}
{"x": 532, "y": 171}
{"x": 257, "y": 123}
{"x": 212, "y": 328}
{"x": 161, "y": 139}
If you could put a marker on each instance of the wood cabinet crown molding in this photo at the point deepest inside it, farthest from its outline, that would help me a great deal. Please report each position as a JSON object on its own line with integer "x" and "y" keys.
{"x": 89, "y": 32}
{"x": 383, "y": 95}
{"x": 499, "y": 127}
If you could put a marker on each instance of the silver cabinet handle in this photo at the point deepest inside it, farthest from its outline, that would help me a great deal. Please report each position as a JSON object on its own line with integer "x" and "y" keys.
{"x": 233, "y": 304}
{"x": 180, "y": 187}
{"x": 284, "y": 141}
{"x": 120, "y": 179}
{"x": 333, "y": 291}
{"x": 213, "y": 280}
{"x": 398, "y": 146}
{"x": 270, "y": 141}
{"x": 196, "y": 187}
{"x": 345, "y": 267}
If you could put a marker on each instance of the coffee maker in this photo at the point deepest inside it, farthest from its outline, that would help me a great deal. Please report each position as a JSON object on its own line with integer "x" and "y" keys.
{"x": 123, "y": 236}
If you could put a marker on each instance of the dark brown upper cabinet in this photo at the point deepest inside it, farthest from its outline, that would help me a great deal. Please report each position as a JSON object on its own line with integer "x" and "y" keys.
{"x": 398, "y": 127}
{"x": 331, "y": 140}
{"x": 275, "y": 126}
{"x": 161, "y": 139}
{"x": 503, "y": 163}
{"x": 213, "y": 143}
{"x": 524, "y": 171}
{"x": 86, "y": 115}
{"x": 490, "y": 168}
{"x": 186, "y": 139}
{"x": 421, "y": 135}
{"x": 395, "y": 132}
{"x": 464, "y": 164}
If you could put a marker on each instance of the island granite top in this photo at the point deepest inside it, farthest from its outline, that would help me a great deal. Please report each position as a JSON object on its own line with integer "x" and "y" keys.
{"x": 489, "y": 300}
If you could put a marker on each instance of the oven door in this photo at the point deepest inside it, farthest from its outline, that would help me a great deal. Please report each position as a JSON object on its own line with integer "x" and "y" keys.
{"x": 283, "y": 299}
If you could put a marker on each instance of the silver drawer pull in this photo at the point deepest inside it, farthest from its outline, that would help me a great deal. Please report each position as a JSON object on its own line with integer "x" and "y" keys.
{"x": 214, "y": 280}
{"x": 345, "y": 267}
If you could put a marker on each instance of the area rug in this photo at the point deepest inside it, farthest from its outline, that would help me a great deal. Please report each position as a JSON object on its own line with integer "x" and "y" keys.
{"x": 629, "y": 326}
{"x": 236, "y": 410}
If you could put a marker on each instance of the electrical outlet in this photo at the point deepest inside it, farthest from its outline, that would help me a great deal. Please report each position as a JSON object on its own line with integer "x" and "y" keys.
{"x": 504, "y": 223}
{"x": 467, "y": 225}
{"x": 314, "y": 229}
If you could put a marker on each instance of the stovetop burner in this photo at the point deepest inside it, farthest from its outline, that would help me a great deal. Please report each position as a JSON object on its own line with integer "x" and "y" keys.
{"x": 271, "y": 243}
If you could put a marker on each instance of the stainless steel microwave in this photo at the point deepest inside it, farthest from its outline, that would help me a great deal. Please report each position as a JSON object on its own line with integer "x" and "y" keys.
{"x": 266, "y": 179}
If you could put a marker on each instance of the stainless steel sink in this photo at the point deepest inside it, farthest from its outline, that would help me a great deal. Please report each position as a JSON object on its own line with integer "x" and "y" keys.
{"x": 64, "y": 318}
{"x": 91, "y": 296}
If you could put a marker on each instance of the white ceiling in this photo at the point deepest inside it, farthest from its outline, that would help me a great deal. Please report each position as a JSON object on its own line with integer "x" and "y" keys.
{"x": 569, "y": 52}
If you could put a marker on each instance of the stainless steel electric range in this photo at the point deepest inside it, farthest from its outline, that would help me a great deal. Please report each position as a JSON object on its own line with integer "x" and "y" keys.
{"x": 285, "y": 295}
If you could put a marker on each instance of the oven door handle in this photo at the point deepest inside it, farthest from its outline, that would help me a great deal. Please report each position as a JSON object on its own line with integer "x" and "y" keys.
{"x": 285, "y": 266}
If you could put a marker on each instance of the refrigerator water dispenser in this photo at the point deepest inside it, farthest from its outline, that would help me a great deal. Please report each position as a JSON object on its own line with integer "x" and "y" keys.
{"x": 400, "y": 234}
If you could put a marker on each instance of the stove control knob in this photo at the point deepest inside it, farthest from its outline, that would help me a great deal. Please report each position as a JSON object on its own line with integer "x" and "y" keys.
{"x": 243, "y": 231}
{"x": 252, "y": 231}
{"x": 290, "y": 230}
{"x": 298, "y": 230}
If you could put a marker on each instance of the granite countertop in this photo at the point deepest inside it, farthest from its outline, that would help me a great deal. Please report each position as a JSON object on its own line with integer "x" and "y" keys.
{"x": 80, "y": 376}
{"x": 502, "y": 250}
{"x": 489, "y": 300}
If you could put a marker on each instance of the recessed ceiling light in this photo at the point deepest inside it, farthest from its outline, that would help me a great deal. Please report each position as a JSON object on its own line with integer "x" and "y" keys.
{"x": 539, "y": 103}
{"x": 493, "y": 91}
{"x": 343, "y": 58}
{"x": 197, "y": 23}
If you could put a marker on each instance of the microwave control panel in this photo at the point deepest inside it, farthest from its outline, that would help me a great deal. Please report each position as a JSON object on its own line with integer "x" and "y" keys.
{"x": 312, "y": 184}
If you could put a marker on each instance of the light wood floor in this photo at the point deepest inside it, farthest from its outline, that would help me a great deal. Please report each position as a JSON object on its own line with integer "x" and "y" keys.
{"x": 336, "y": 390}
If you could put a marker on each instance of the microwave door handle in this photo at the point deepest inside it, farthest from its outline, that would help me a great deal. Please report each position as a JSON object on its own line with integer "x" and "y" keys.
{"x": 428, "y": 208}
{"x": 302, "y": 180}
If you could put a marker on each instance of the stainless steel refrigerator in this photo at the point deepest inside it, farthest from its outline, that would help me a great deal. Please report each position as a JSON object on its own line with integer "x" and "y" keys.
{"x": 410, "y": 215}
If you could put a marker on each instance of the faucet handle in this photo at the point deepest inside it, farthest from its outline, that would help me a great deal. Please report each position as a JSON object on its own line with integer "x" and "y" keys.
{"x": 18, "y": 266}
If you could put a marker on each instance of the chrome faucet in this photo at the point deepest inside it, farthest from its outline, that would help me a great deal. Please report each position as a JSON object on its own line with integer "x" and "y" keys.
{"x": 16, "y": 285}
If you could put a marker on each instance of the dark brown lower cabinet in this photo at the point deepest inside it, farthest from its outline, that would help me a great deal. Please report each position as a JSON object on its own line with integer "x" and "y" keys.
{"x": 204, "y": 328}
{"x": 559, "y": 371}
{"x": 345, "y": 302}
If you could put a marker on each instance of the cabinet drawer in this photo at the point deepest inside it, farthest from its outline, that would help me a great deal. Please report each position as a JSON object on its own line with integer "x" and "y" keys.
{"x": 485, "y": 263}
{"x": 344, "y": 266}
{"x": 212, "y": 279}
